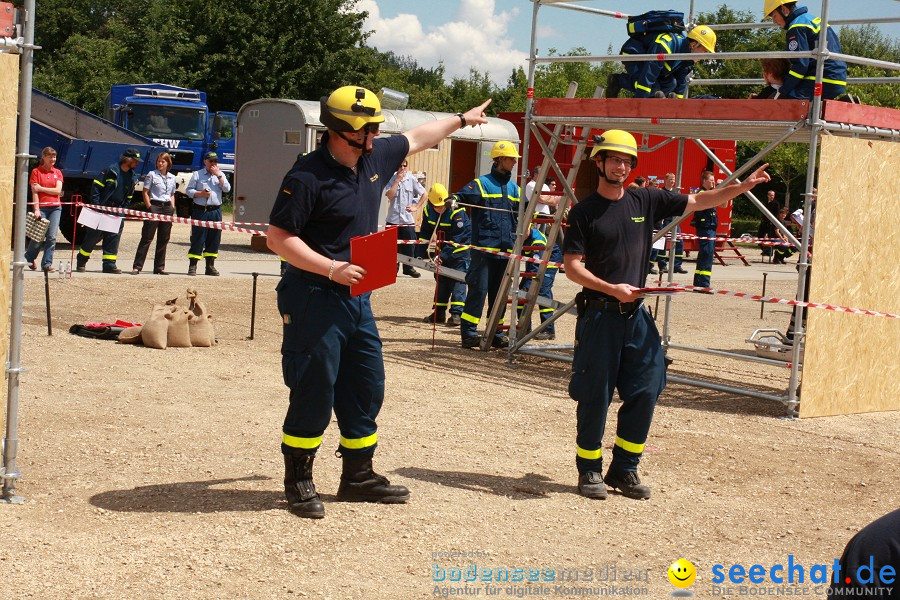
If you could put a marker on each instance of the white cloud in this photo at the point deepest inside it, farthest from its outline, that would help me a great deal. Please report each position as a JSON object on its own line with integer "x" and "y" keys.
{"x": 478, "y": 37}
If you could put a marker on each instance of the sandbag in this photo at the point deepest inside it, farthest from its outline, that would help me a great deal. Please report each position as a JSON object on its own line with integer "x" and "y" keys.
{"x": 178, "y": 334}
{"x": 155, "y": 331}
{"x": 131, "y": 335}
{"x": 200, "y": 322}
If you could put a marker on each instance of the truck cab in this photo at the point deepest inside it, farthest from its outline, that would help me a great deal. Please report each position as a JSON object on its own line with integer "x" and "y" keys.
{"x": 176, "y": 118}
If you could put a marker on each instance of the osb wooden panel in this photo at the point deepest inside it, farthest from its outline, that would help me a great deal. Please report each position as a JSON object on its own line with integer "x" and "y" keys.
{"x": 9, "y": 74}
{"x": 852, "y": 363}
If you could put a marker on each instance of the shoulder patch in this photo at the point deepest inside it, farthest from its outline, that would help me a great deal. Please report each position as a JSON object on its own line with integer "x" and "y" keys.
{"x": 459, "y": 224}
{"x": 793, "y": 45}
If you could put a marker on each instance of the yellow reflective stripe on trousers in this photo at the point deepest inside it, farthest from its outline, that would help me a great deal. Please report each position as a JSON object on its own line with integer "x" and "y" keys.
{"x": 641, "y": 87}
{"x": 589, "y": 454}
{"x": 301, "y": 442}
{"x": 100, "y": 183}
{"x": 110, "y": 257}
{"x": 197, "y": 256}
{"x": 83, "y": 253}
{"x": 698, "y": 272}
{"x": 441, "y": 304}
{"x": 629, "y": 446}
{"x": 469, "y": 318}
{"x": 359, "y": 443}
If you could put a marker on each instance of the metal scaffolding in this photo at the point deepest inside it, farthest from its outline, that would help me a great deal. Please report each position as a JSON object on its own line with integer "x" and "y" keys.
{"x": 803, "y": 123}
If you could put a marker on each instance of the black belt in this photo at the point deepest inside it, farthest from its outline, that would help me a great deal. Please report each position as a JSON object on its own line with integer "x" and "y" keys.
{"x": 207, "y": 207}
{"x": 159, "y": 202}
{"x": 321, "y": 280}
{"x": 584, "y": 302}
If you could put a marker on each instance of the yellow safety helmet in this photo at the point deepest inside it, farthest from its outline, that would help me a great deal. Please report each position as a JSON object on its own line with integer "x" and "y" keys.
{"x": 771, "y": 5}
{"x": 617, "y": 141}
{"x": 504, "y": 148}
{"x": 705, "y": 36}
{"x": 437, "y": 194}
{"x": 350, "y": 108}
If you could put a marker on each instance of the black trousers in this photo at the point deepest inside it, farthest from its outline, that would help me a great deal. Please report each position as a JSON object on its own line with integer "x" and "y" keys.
{"x": 151, "y": 229}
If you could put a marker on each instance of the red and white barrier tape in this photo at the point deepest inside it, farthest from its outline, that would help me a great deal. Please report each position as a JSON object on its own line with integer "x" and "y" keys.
{"x": 172, "y": 219}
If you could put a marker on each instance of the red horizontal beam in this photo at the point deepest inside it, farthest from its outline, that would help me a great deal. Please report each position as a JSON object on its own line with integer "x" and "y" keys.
{"x": 664, "y": 108}
{"x": 861, "y": 114}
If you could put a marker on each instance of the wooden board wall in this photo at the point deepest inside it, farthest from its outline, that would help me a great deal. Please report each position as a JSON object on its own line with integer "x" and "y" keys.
{"x": 851, "y": 363}
{"x": 9, "y": 98}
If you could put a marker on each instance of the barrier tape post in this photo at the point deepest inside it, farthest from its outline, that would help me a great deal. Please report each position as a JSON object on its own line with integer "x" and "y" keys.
{"x": 47, "y": 298}
{"x": 762, "y": 305}
{"x": 253, "y": 307}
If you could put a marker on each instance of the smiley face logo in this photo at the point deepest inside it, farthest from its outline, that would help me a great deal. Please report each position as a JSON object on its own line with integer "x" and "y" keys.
{"x": 682, "y": 573}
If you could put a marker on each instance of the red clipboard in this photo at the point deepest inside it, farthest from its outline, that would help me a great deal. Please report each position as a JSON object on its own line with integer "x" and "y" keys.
{"x": 377, "y": 254}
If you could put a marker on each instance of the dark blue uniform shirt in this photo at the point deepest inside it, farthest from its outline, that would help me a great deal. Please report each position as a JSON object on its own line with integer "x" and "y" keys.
{"x": 326, "y": 204}
{"x": 614, "y": 236}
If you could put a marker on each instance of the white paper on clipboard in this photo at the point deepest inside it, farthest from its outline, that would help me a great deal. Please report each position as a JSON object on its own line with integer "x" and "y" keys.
{"x": 660, "y": 244}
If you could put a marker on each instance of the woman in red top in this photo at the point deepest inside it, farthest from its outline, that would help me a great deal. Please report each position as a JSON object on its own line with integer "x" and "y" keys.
{"x": 46, "y": 189}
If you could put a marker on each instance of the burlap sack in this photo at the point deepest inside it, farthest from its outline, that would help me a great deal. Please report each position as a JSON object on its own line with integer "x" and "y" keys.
{"x": 179, "y": 335}
{"x": 200, "y": 322}
{"x": 131, "y": 335}
{"x": 155, "y": 331}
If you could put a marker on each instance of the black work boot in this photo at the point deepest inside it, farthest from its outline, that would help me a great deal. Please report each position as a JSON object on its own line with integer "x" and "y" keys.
{"x": 80, "y": 263}
{"x": 590, "y": 485}
{"x": 192, "y": 267}
{"x": 440, "y": 317}
{"x": 299, "y": 488}
{"x": 359, "y": 483}
{"x": 211, "y": 266}
{"x": 628, "y": 483}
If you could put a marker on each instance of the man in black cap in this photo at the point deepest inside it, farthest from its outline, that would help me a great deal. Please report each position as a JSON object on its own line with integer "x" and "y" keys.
{"x": 114, "y": 188}
{"x": 205, "y": 189}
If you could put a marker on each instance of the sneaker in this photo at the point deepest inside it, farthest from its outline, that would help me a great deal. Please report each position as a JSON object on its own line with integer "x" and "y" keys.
{"x": 628, "y": 483}
{"x": 500, "y": 341}
{"x": 612, "y": 85}
{"x": 659, "y": 94}
{"x": 112, "y": 270}
{"x": 454, "y": 321}
{"x": 590, "y": 485}
{"x": 472, "y": 342}
{"x": 544, "y": 335}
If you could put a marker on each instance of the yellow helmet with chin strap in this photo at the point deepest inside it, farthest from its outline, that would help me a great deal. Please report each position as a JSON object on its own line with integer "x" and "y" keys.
{"x": 771, "y": 5}
{"x": 504, "y": 148}
{"x": 437, "y": 195}
{"x": 704, "y": 36}
{"x": 350, "y": 108}
{"x": 616, "y": 140}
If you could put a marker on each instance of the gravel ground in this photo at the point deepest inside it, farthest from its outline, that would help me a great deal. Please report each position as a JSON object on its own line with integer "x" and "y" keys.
{"x": 153, "y": 473}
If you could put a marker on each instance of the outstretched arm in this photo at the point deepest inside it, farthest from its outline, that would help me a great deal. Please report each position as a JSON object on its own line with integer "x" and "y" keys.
{"x": 428, "y": 135}
{"x": 719, "y": 196}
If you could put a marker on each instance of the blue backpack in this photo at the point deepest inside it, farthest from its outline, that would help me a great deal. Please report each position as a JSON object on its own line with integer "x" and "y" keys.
{"x": 656, "y": 22}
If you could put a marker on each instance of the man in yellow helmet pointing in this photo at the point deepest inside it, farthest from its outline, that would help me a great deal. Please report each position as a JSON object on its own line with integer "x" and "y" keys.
{"x": 617, "y": 345}
{"x": 331, "y": 352}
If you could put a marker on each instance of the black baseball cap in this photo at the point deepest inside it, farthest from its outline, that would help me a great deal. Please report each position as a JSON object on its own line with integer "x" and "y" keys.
{"x": 131, "y": 153}
{"x": 211, "y": 156}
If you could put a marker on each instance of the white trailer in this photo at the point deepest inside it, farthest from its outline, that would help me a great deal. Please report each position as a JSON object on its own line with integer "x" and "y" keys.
{"x": 272, "y": 133}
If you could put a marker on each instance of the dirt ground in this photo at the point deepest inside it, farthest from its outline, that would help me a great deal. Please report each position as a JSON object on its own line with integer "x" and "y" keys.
{"x": 157, "y": 474}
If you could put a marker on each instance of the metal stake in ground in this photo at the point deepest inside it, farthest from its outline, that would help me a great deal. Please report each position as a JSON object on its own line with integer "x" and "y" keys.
{"x": 253, "y": 307}
{"x": 47, "y": 298}
{"x": 762, "y": 305}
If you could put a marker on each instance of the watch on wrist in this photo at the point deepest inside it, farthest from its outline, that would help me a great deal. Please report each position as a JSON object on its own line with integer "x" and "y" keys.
{"x": 462, "y": 120}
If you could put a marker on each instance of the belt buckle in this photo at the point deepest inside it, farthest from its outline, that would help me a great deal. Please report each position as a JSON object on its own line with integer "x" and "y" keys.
{"x": 622, "y": 311}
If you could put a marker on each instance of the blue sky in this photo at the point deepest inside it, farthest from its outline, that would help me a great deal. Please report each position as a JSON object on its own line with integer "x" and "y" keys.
{"x": 494, "y": 35}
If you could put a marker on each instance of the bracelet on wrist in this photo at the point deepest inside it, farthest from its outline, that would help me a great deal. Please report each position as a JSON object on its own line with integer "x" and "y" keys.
{"x": 462, "y": 120}
{"x": 331, "y": 270}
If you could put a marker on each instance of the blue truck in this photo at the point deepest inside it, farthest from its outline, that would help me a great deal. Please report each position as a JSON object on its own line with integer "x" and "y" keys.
{"x": 86, "y": 144}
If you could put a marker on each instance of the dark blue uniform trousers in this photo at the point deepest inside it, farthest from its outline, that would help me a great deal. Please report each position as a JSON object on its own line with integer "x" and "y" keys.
{"x": 451, "y": 293}
{"x": 615, "y": 352}
{"x": 205, "y": 241}
{"x": 110, "y": 245}
{"x": 705, "y": 253}
{"x": 483, "y": 279}
{"x": 331, "y": 358}
{"x": 547, "y": 292}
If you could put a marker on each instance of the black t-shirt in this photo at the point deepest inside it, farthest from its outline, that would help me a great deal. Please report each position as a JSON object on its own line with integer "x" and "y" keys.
{"x": 614, "y": 236}
{"x": 325, "y": 204}
{"x": 875, "y": 546}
